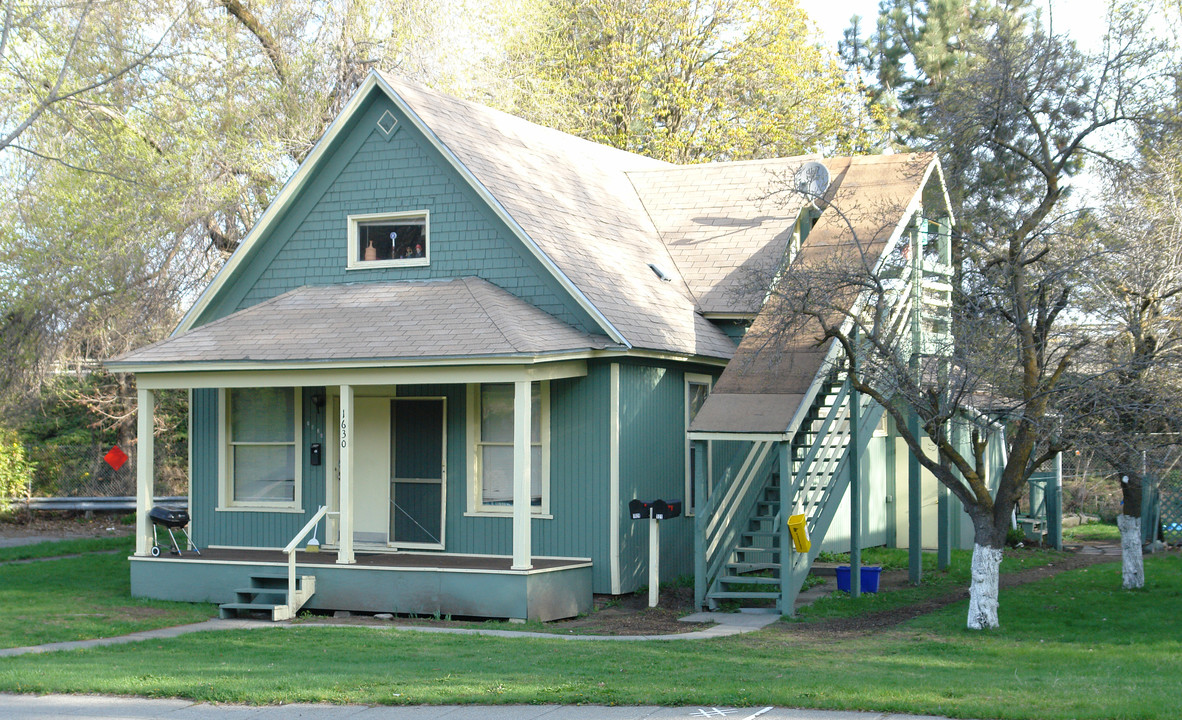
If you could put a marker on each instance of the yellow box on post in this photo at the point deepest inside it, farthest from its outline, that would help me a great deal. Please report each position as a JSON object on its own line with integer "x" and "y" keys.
{"x": 800, "y": 534}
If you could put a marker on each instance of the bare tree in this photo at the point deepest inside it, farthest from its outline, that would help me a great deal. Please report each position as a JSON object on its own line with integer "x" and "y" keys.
{"x": 1132, "y": 300}
{"x": 1026, "y": 109}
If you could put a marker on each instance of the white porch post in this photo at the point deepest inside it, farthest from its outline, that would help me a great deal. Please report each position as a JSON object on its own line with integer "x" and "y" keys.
{"x": 345, "y": 520}
{"x": 522, "y": 510}
{"x": 144, "y": 475}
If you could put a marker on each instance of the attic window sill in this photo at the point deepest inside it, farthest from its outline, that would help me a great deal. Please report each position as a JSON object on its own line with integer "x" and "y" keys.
{"x": 376, "y": 264}
{"x": 502, "y": 514}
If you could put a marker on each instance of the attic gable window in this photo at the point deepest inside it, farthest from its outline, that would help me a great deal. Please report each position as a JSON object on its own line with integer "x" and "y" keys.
{"x": 380, "y": 240}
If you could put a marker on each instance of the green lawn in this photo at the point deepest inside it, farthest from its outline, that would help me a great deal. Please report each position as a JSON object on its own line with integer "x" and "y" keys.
{"x": 66, "y": 547}
{"x": 1103, "y": 532}
{"x": 80, "y": 598}
{"x": 1072, "y": 646}
{"x": 934, "y": 583}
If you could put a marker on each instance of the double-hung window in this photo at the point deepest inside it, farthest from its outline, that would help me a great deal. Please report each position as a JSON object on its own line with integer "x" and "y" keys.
{"x": 491, "y": 411}
{"x": 259, "y": 460}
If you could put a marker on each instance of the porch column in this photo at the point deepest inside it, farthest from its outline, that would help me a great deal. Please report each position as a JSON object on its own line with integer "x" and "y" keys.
{"x": 522, "y": 510}
{"x": 345, "y": 521}
{"x": 144, "y": 460}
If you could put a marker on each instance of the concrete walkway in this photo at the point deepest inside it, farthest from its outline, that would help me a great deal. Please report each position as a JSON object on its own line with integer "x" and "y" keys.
{"x": 727, "y": 624}
{"x": 97, "y": 707}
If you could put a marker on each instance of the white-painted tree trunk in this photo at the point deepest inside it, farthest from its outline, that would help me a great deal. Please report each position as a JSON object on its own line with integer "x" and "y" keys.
{"x": 1132, "y": 567}
{"x": 983, "y": 588}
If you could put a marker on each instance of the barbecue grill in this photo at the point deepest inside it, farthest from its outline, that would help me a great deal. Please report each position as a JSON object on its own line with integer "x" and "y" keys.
{"x": 170, "y": 519}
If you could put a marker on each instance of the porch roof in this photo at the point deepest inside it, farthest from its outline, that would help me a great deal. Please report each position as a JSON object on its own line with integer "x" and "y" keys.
{"x": 459, "y": 318}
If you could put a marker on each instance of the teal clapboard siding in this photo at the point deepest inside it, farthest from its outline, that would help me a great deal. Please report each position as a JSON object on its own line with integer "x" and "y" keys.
{"x": 579, "y": 476}
{"x": 652, "y": 466}
{"x": 363, "y": 172}
{"x": 240, "y": 528}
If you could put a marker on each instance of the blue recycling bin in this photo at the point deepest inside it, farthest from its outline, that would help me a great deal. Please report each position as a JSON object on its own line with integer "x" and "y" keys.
{"x": 870, "y": 575}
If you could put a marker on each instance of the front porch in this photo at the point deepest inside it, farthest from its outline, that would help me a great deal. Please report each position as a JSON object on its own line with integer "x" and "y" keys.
{"x": 412, "y": 583}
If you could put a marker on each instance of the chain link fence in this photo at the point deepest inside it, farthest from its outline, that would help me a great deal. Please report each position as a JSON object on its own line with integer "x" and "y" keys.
{"x": 1092, "y": 486}
{"x": 82, "y": 471}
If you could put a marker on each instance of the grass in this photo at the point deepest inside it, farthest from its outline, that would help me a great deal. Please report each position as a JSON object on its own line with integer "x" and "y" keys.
{"x": 935, "y": 583}
{"x": 1092, "y": 532}
{"x": 80, "y": 598}
{"x": 1072, "y": 646}
{"x": 58, "y": 548}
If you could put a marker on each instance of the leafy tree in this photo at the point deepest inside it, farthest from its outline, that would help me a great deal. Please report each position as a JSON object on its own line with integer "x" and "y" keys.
{"x": 698, "y": 80}
{"x": 121, "y": 201}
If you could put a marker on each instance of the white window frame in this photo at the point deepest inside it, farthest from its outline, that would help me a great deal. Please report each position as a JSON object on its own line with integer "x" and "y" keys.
{"x": 476, "y": 504}
{"x": 353, "y": 240}
{"x": 226, "y": 500}
{"x": 708, "y": 381}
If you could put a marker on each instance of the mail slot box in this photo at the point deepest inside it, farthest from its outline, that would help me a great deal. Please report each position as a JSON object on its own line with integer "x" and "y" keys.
{"x": 664, "y": 510}
{"x": 639, "y": 509}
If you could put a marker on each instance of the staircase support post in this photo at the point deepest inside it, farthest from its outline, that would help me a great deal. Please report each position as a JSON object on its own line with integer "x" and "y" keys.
{"x": 914, "y": 489}
{"x": 855, "y": 469}
{"x": 787, "y": 548}
{"x": 700, "y": 519}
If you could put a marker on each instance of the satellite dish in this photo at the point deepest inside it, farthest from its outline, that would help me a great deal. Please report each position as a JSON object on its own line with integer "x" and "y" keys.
{"x": 812, "y": 179}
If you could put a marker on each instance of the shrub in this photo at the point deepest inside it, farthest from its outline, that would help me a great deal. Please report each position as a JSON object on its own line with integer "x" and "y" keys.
{"x": 16, "y": 470}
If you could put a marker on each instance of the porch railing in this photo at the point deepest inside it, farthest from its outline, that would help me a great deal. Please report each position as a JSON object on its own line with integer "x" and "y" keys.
{"x": 290, "y": 550}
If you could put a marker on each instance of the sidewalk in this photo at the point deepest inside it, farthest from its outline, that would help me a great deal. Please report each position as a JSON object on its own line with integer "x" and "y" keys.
{"x": 96, "y": 707}
{"x": 727, "y": 624}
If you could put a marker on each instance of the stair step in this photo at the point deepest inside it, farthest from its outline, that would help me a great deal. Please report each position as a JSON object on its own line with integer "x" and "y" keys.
{"x": 268, "y": 607}
{"x": 262, "y": 591}
{"x": 750, "y": 549}
{"x": 748, "y": 580}
{"x": 728, "y": 595}
{"x": 761, "y": 533}
{"x": 742, "y": 567}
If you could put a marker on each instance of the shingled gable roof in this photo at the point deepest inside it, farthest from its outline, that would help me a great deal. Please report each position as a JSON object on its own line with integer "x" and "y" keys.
{"x": 763, "y": 386}
{"x": 355, "y": 323}
{"x": 596, "y": 217}
{"x": 724, "y": 225}
{"x": 574, "y": 200}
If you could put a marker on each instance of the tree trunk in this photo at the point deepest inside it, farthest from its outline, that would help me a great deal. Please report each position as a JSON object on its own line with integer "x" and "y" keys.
{"x": 983, "y": 588}
{"x": 988, "y": 542}
{"x": 1129, "y": 523}
{"x": 1132, "y": 568}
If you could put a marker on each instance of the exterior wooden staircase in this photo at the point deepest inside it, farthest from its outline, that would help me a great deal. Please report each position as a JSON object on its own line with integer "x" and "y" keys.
{"x": 268, "y": 595}
{"x": 756, "y": 564}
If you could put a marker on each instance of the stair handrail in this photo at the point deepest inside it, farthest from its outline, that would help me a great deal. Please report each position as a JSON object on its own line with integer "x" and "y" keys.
{"x": 720, "y": 543}
{"x": 290, "y": 548}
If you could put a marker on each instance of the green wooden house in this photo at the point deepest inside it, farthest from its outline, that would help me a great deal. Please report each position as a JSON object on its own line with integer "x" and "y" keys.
{"x": 458, "y": 344}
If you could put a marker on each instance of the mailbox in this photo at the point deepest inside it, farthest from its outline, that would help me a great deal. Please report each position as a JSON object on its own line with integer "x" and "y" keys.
{"x": 664, "y": 510}
{"x": 640, "y": 510}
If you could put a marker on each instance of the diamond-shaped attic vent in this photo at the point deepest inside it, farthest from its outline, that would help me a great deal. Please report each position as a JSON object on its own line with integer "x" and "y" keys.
{"x": 387, "y": 123}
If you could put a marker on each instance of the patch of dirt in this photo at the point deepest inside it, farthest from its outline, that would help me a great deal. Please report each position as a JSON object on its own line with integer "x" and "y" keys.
{"x": 630, "y": 614}
{"x": 65, "y": 526}
{"x": 896, "y": 579}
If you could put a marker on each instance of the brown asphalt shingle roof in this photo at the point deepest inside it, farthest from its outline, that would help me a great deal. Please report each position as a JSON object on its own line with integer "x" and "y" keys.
{"x": 771, "y": 372}
{"x": 374, "y": 321}
{"x": 724, "y": 224}
{"x": 574, "y": 199}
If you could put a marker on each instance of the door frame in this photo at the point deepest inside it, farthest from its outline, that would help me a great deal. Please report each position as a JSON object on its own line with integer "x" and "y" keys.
{"x": 442, "y": 544}
{"x": 332, "y": 478}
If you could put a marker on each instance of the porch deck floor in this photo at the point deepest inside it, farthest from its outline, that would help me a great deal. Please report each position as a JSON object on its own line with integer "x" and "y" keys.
{"x": 373, "y": 559}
